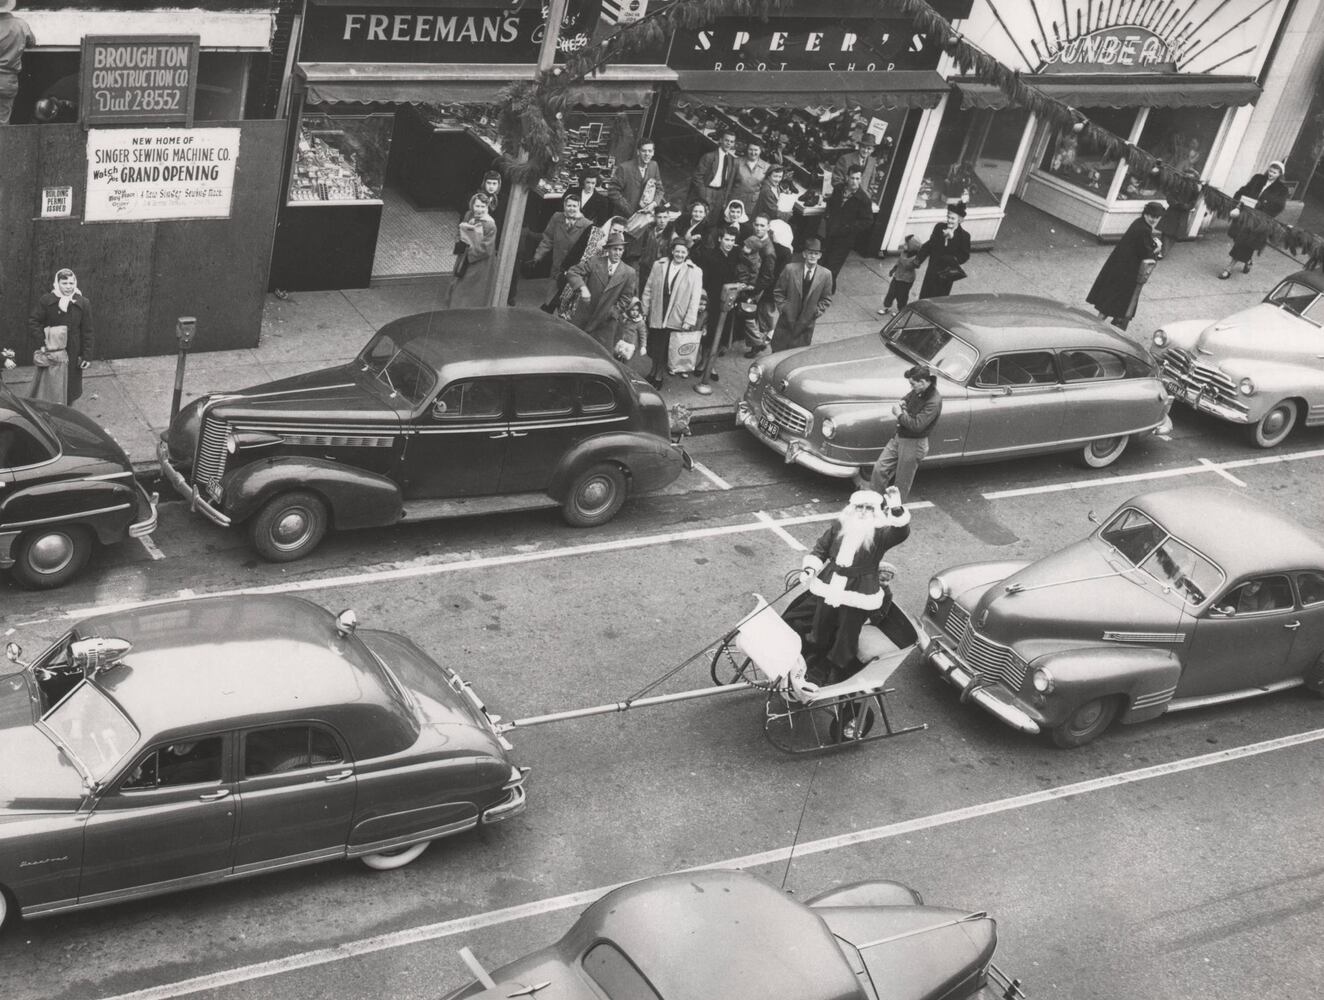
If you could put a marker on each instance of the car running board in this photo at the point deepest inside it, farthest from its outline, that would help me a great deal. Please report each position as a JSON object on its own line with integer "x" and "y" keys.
{"x": 1181, "y": 704}
{"x": 431, "y": 510}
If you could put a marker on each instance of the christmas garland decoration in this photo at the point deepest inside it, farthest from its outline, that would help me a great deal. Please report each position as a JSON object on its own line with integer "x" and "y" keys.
{"x": 1176, "y": 185}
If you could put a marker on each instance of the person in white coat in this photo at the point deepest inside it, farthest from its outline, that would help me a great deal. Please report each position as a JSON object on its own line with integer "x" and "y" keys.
{"x": 671, "y": 302}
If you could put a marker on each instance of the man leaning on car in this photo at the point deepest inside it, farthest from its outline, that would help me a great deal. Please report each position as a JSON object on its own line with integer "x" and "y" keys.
{"x": 915, "y": 416}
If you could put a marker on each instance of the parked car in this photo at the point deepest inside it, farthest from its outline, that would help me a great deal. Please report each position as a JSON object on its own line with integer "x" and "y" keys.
{"x": 706, "y": 934}
{"x": 442, "y": 414}
{"x": 1260, "y": 367}
{"x": 1181, "y": 598}
{"x": 66, "y": 487}
{"x": 1020, "y": 375}
{"x": 197, "y": 742}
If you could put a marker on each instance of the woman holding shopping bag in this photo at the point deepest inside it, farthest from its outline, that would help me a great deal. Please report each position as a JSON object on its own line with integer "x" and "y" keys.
{"x": 60, "y": 333}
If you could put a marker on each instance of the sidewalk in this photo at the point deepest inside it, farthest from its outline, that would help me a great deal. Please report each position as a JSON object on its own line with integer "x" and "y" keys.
{"x": 1036, "y": 254}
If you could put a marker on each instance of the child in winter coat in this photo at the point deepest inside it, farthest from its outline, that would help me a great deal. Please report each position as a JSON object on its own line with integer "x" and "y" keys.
{"x": 903, "y": 277}
{"x": 631, "y": 333}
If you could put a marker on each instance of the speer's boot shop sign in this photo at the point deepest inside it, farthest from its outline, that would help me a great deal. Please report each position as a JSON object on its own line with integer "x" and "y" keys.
{"x": 855, "y": 45}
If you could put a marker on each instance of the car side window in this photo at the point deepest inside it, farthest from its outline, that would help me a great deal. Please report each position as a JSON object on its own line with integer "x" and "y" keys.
{"x": 616, "y": 975}
{"x": 288, "y": 748}
{"x": 596, "y": 396}
{"x": 1265, "y": 593}
{"x": 1310, "y": 585}
{"x": 545, "y": 396}
{"x": 19, "y": 448}
{"x": 1091, "y": 366}
{"x": 1026, "y": 368}
{"x": 474, "y": 399}
{"x": 1315, "y": 311}
{"x": 191, "y": 762}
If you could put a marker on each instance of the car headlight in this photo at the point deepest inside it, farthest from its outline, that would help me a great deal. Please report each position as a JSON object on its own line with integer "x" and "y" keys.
{"x": 755, "y": 374}
{"x": 828, "y": 427}
{"x": 938, "y": 588}
{"x": 1042, "y": 680}
{"x": 231, "y": 442}
{"x": 1246, "y": 387}
{"x": 1160, "y": 338}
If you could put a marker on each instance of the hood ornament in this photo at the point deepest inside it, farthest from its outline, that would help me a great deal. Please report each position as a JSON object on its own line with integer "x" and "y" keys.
{"x": 983, "y": 618}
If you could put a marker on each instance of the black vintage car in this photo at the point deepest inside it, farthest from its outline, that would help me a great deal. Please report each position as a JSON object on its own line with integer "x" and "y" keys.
{"x": 65, "y": 486}
{"x": 442, "y": 414}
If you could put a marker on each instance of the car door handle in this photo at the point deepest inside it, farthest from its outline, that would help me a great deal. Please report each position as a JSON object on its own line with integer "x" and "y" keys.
{"x": 1292, "y": 626}
{"x": 339, "y": 775}
{"x": 498, "y": 437}
{"x": 220, "y": 793}
{"x": 519, "y": 434}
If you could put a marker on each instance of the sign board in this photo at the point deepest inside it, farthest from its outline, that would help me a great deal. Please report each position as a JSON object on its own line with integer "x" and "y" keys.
{"x": 57, "y": 202}
{"x": 139, "y": 79}
{"x": 840, "y": 45}
{"x": 145, "y": 175}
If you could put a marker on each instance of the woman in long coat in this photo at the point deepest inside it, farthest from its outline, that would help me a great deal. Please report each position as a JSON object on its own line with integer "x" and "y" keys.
{"x": 63, "y": 306}
{"x": 473, "y": 267}
{"x": 1116, "y": 291}
{"x": 947, "y": 248}
{"x": 1265, "y": 193}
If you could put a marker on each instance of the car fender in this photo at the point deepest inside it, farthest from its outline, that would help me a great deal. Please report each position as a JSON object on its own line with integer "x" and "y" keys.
{"x": 872, "y": 892}
{"x": 107, "y": 506}
{"x": 968, "y": 582}
{"x": 650, "y": 461}
{"x": 357, "y": 498}
{"x": 1275, "y": 381}
{"x": 1144, "y": 676}
{"x": 1182, "y": 333}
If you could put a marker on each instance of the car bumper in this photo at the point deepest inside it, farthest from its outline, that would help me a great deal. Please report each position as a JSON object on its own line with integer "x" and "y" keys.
{"x": 1205, "y": 403}
{"x": 793, "y": 450}
{"x": 992, "y": 698}
{"x": 182, "y": 487}
{"x": 513, "y": 805}
{"x": 145, "y": 526}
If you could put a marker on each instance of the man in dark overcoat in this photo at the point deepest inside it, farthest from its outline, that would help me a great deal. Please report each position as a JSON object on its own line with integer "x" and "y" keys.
{"x": 849, "y": 216}
{"x": 802, "y": 294}
{"x": 1116, "y": 291}
{"x": 604, "y": 285}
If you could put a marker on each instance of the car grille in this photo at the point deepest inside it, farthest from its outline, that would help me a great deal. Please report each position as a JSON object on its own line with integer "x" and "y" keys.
{"x": 990, "y": 660}
{"x": 1184, "y": 376}
{"x": 210, "y": 462}
{"x": 786, "y": 414}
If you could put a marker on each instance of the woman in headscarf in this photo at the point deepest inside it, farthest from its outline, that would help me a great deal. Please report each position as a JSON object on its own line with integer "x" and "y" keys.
{"x": 60, "y": 333}
{"x": 1265, "y": 193}
{"x": 473, "y": 266}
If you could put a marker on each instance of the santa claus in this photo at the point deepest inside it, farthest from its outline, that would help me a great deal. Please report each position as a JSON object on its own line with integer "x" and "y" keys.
{"x": 845, "y": 571}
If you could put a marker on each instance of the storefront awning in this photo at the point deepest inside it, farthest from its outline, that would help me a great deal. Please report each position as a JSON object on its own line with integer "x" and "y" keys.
{"x": 798, "y": 88}
{"x": 1124, "y": 92}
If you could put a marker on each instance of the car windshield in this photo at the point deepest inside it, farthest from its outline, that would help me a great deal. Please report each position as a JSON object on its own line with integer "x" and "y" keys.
{"x": 918, "y": 338}
{"x": 401, "y": 372}
{"x": 1147, "y": 545}
{"x": 1299, "y": 299}
{"x": 90, "y": 728}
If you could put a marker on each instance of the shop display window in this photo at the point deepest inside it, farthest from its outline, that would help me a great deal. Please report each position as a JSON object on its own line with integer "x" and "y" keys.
{"x": 340, "y": 158}
{"x": 972, "y": 157}
{"x": 1080, "y": 161}
{"x": 1181, "y": 138}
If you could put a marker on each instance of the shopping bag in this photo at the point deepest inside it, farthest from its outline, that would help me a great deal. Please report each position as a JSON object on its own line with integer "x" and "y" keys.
{"x": 684, "y": 350}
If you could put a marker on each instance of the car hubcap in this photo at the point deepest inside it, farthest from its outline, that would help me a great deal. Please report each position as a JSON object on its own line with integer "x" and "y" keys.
{"x": 51, "y": 553}
{"x": 1104, "y": 448}
{"x": 1273, "y": 423}
{"x": 595, "y": 493}
{"x": 1087, "y": 716}
{"x": 291, "y": 527}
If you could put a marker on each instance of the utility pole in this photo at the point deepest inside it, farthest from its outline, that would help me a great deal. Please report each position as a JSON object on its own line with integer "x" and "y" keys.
{"x": 513, "y": 227}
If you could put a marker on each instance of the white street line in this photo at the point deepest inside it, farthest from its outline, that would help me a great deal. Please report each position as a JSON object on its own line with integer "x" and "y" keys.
{"x": 1214, "y": 467}
{"x": 711, "y": 476}
{"x": 779, "y": 531}
{"x": 151, "y": 548}
{"x": 574, "y": 900}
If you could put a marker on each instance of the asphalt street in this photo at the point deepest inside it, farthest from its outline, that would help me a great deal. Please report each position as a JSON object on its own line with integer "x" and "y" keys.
{"x": 1176, "y": 858}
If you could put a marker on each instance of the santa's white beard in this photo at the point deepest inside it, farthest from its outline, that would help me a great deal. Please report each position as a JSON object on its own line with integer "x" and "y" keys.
{"x": 856, "y": 534}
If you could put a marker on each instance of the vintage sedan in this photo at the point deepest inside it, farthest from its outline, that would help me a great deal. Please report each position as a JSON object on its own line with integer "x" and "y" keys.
{"x": 1260, "y": 368}
{"x": 1020, "y": 375}
{"x": 201, "y": 741}
{"x": 66, "y": 487}
{"x": 728, "y": 934}
{"x": 443, "y": 414}
{"x": 1181, "y": 598}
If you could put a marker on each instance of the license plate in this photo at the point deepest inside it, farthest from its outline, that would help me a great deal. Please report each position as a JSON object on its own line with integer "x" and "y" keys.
{"x": 768, "y": 429}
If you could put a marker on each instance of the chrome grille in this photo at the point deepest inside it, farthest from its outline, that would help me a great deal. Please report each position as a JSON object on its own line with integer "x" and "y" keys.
{"x": 958, "y": 621}
{"x": 991, "y": 660}
{"x": 785, "y": 413}
{"x": 1184, "y": 375}
{"x": 210, "y": 462}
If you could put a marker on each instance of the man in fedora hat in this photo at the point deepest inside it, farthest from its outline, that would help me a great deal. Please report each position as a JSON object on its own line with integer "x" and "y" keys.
{"x": 802, "y": 294}
{"x": 605, "y": 285}
{"x": 15, "y": 36}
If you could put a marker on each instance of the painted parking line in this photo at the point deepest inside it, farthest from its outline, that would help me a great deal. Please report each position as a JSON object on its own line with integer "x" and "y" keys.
{"x": 1215, "y": 467}
{"x": 575, "y": 900}
{"x": 151, "y": 548}
{"x": 711, "y": 476}
{"x": 779, "y": 531}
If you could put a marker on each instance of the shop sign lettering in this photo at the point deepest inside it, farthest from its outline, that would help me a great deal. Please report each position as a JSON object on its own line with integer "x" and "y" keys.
{"x": 792, "y": 43}
{"x": 139, "y": 79}
{"x": 1119, "y": 49}
{"x": 143, "y": 175}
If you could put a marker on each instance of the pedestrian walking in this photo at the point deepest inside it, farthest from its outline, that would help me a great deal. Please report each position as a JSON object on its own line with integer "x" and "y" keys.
{"x": 1176, "y": 220}
{"x": 60, "y": 334}
{"x": 803, "y": 293}
{"x": 15, "y": 37}
{"x": 671, "y": 302}
{"x": 1265, "y": 192}
{"x": 1116, "y": 291}
{"x": 849, "y": 216}
{"x": 903, "y": 277}
{"x": 473, "y": 259}
{"x": 915, "y": 416}
{"x": 948, "y": 247}
{"x": 596, "y": 290}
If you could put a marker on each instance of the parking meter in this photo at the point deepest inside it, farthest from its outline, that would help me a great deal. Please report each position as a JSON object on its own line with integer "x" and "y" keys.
{"x": 186, "y": 328}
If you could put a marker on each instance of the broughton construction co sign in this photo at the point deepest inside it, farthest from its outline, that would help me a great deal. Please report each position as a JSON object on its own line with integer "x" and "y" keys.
{"x": 139, "y": 79}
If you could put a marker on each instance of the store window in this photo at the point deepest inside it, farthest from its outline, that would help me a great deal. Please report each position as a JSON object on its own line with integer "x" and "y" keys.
{"x": 1079, "y": 160}
{"x": 340, "y": 157}
{"x": 972, "y": 156}
{"x": 1181, "y": 138}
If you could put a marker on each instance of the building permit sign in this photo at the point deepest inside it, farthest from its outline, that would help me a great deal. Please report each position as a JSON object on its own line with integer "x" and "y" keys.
{"x": 145, "y": 175}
